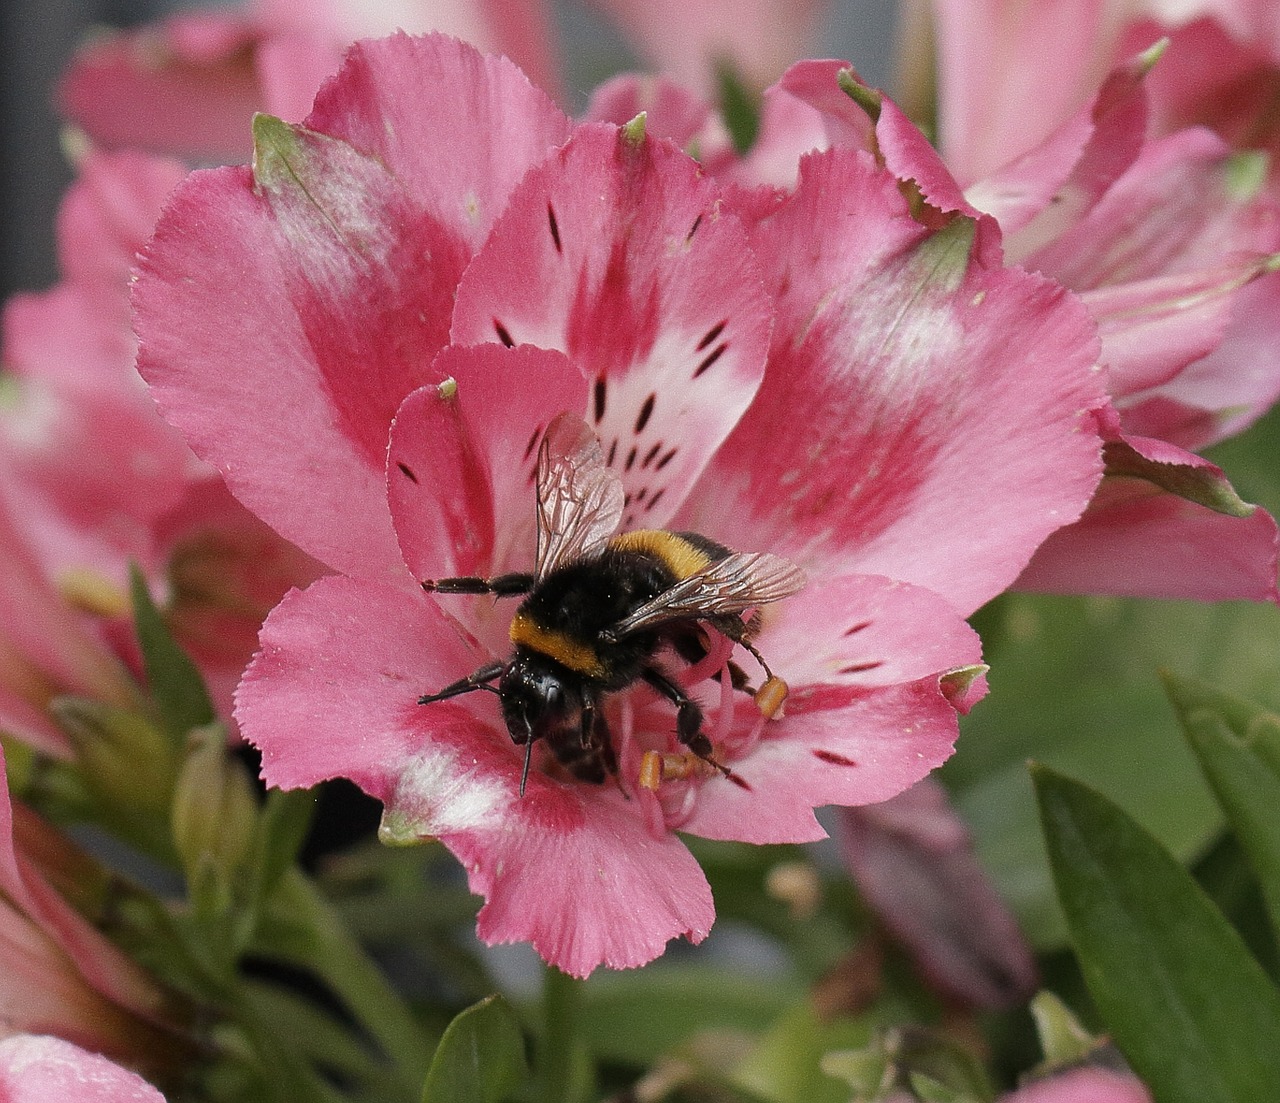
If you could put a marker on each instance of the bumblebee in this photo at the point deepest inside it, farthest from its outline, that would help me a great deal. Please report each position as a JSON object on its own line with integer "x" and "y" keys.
{"x": 600, "y": 606}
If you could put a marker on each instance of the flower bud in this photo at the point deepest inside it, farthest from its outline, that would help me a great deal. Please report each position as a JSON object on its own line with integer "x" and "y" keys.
{"x": 213, "y": 817}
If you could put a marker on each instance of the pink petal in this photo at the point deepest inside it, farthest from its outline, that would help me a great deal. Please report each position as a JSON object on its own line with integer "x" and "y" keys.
{"x": 42, "y": 1069}
{"x": 986, "y": 83}
{"x": 1152, "y": 329}
{"x": 461, "y": 462}
{"x": 281, "y": 353}
{"x": 616, "y": 252}
{"x": 802, "y": 112}
{"x": 521, "y": 30}
{"x": 1136, "y": 541}
{"x": 923, "y": 394}
{"x": 670, "y": 110}
{"x": 333, "y": 691}
{"x": 859, "y": 630}
{"x": 89, "y": 497}
{"x": 569, "y": 867}
{"x": 291, "y": 67}
{"x": 107, "y": 217}
{"x": 1164, "y": 523}
{"x": 283, "y": 350}
{"x": 64, "y": 335}
{"x": 1174, "y": 211}
{"x": 494, "y": 124}
{"x": 882, "y": 651}
{"x": 835, "y": 745}
{"x": 1221, "y": 70}
{"x": 812, "y": 108}
{"x": 1232, "y": 386}
{"x": 1048, "y": 188}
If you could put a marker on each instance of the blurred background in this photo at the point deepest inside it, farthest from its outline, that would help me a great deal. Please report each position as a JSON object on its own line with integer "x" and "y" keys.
{"x": 37, "y": 39}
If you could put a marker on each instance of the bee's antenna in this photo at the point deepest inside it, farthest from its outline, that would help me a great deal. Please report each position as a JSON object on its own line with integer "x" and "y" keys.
{"x": 524, "y": 773}
{"x": 529, "y": 753}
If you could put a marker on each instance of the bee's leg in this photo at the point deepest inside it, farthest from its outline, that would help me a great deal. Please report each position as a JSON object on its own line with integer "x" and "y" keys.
{"x": 480, "y": 679}
{"x": 503, "y": 585}
{"x": 594, "y": 732}
{"x": 688, "y": 717}
{"x": 597, "y": 737}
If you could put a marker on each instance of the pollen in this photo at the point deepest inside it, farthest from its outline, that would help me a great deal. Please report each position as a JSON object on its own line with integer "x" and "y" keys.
{"x": 656, "y": 767}
{"x": 91, "y": 592}
{"x": 771, "y": 696}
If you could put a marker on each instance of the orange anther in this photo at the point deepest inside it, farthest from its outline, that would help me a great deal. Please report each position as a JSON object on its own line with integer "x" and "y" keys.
{"x": 770, "y": 698}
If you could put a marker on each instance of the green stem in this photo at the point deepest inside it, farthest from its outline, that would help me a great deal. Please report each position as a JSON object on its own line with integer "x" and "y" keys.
{"x": 315, "y": 938}
{"x": 561, "y": 1000}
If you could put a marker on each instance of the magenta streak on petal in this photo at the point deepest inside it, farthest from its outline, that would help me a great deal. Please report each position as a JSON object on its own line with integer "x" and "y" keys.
{"x": 607, "y": 323}
{"x": 374, "y": 327}
{"x": 834, "y": 758}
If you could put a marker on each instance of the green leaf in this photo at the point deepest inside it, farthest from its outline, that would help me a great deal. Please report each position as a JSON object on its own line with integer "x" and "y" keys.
{"x": 1194, "y": 1014}
{"x": 1074, "y": 685}
{"x": 298, "y": 924}
{"x": 739, "y": 106}
{"x": 786, "y": 1066}
{"x": 175, "y": 684}
{"x": 1238, "y": 745}
{"x": 1062, "y": 1039}
{"x": 481, "y": 1057}
{"x": 279, "y": 833}
{"x": 636, "y": 1017}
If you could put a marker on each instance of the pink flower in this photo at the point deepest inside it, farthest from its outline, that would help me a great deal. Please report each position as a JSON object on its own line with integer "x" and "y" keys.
{"x": 45, "y": 648}
{"x": 42, "y": 1069}
{"x": 59, "y": 975}
{"x": 94, "y": 480}
{"x": 369, "y": 332}
{"x": 1175, "y": 263}
{"x": 189, "y": 85}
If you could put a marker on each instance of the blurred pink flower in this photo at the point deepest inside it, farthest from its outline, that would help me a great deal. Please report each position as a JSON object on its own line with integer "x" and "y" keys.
{"x": 913, "y": 861}
{"x": 188, "y": 86}
{"x": 822, "y": 377}
{"x": 753, "y": 40}
{"x": 92, "y": 478}
{"x": 46, "y": 650}
{"x": 1221, "y": 70}
{"x": 37, "y": 1068}
{"x": 59, "y": 975}
{"x": 1083, "y": 1085}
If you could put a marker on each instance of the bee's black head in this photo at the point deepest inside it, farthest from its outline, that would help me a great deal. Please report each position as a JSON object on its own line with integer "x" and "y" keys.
{"x": 534, "y": 696}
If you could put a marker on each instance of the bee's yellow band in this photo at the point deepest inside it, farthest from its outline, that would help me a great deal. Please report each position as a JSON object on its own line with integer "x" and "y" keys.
{"x": 565, "y": 650}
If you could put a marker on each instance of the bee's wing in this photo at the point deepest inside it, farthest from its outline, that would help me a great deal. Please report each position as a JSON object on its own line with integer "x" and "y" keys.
{"x": 739, "y": 581}
{"x": 580, "y": 500}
